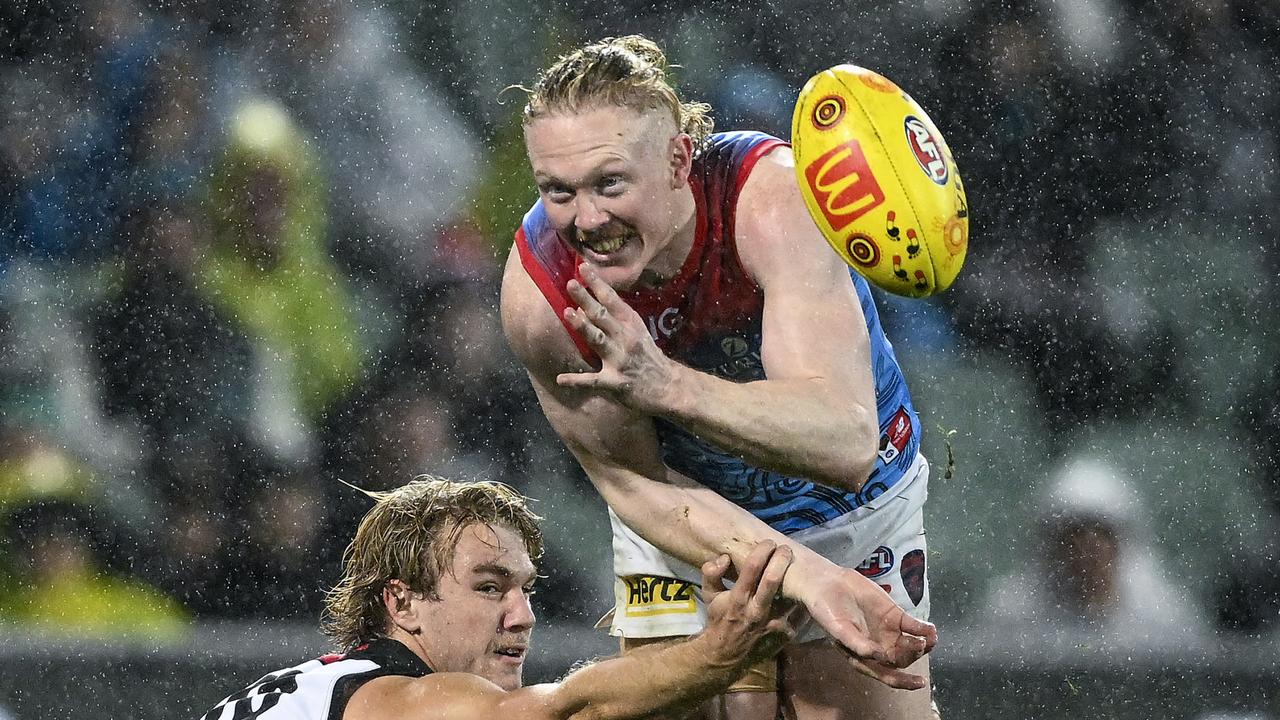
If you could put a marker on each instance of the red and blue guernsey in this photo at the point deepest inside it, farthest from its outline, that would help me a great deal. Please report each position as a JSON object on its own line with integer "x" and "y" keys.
{"x": 709, "y": 318}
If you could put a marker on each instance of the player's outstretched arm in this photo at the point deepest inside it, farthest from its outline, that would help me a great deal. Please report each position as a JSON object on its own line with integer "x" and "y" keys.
{"x": 745, "y": 624}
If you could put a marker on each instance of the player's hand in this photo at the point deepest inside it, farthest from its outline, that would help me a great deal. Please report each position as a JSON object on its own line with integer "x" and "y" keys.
{"x": 751, "y": 621}
{"x": 879, "y": 636}
{"x": 632, "y": 367}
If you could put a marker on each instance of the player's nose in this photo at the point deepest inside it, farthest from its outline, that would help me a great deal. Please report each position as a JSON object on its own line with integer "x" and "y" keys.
{"x": 589, "y": 216}
{"x": 519, "y": 616}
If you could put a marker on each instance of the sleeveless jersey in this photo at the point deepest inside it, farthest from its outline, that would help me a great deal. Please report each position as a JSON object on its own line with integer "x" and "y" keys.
{"x": 319, "y": 689}
{"x": 709, "y": 317}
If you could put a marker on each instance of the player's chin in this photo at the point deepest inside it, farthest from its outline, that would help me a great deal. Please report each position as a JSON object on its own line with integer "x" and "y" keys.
{"x": 621, "y": 273}
{"x": 508, "y": 678}
{"x": 621, "y": 279}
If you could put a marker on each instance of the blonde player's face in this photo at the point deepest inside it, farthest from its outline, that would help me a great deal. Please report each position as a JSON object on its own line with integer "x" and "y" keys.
{"x": 610, "y": 179}
{"x": 482, "y": 622}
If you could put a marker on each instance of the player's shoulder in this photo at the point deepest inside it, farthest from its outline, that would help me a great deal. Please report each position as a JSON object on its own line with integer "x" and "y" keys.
{"x": 534, "y": 332}
{"x": 773, "y": 177}
{"x": 439, "y": 695}
{"x": 773, "y": 231}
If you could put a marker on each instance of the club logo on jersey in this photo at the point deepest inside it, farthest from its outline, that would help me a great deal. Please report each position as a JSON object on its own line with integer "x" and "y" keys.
{"x": 734, "y": 346}
{"x": 913, "y": 575}
{"x": 880, "y": 562}
{"x": 664, "y": 324}
{"x": 648, "y": 595}
{"x": 896, "y": 436}
{"x": 843, "y": 185}
{"x": 828, "y": 111}
{"x": 927, "y": 149}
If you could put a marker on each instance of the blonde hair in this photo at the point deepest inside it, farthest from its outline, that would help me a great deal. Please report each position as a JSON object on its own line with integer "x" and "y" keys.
{"x": 626, "y": 72}
{"x": 410, "y": 535}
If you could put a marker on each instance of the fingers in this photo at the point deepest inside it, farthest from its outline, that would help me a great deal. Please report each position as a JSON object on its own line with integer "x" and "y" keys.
{"x": 713, "y": 576}
{"x": 595, "y": 336}
{"x": 855, "y": 642}
{"x": 771, "y": 581}
{"x": 753, "y": 568}
{"x": 603, "y": 293}
{"x": 600, "y": 305}
{"x": 907, "y": 650}
{"x": 893, "y": 677}
{"x": 921, "y": 628}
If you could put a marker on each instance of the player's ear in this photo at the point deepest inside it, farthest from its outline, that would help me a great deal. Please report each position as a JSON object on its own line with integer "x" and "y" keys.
{"x": 680, "y": 152}
{"x": 398, "y": 600}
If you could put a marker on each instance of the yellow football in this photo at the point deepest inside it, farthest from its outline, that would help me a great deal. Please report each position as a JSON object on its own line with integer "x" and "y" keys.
{"x": 879, "y": 181}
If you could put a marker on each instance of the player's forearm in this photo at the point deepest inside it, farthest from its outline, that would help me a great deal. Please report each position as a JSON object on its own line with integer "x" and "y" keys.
{"x": 809, "y": 428}
{"x": 693, "y": 523}
{"x": 668, "y": 680}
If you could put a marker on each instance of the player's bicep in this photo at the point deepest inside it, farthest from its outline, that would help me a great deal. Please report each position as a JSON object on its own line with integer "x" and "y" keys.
{"x": 813, "y": 323}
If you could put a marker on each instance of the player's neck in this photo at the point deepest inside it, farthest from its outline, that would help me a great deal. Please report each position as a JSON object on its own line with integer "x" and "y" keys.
{"x": 667, "y": 263}
{"x": 415, "y": 645}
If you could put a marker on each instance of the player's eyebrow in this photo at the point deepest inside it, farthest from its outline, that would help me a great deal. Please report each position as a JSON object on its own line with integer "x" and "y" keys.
{"x": 498, "y": 570}
{"x": 492, "y": 569}
{"x": 593, "y": 175}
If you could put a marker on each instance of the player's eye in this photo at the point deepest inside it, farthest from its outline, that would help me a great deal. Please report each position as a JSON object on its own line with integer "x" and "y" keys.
{"x": 610, "y": 184}
{"x": 489, "y": 589}
{"x": 557, "y": 193}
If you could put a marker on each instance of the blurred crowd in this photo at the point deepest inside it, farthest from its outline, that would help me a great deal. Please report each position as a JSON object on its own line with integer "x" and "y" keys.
{"x": 249, "y": 259}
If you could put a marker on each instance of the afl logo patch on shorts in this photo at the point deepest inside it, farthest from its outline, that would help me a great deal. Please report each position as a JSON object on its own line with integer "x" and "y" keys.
{"x": 878, "y": 563}
{"x": 648, "y": 595}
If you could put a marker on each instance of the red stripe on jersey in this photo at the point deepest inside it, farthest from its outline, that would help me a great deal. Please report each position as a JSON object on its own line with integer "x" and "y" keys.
{"x": 556, "y": 297}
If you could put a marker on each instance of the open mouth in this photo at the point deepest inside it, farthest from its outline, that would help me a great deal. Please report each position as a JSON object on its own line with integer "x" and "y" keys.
{"x": 606, "y": 241}
{"x": 605, "y": 246}
{"x": 511, "y": 652}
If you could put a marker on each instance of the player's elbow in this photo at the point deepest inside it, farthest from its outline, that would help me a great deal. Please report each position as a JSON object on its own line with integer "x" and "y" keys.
{"x": 854, "y": 456}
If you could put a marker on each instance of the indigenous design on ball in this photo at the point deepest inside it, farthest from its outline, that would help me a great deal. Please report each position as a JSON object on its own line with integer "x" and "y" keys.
{"x": 927, "y": 149}
{"x": 956, "y": 234}
{"x": 828, "y": 112}
{"x": 876, "y": 81}
{"x": 918, "y": 279}
{"x": 863, "y": 250}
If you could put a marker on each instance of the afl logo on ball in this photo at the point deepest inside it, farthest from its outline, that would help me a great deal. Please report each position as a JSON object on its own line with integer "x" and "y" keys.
{"x": 927, "y": 149}
{"x": 879, "y": 563}
{"x": 828, "y": 111}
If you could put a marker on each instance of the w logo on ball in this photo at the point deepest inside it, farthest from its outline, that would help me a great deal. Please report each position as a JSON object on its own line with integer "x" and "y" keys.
{"x": 843, "y": 184}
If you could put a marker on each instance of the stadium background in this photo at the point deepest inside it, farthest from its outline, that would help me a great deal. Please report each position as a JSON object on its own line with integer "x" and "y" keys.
{"x": 177, "y": 407}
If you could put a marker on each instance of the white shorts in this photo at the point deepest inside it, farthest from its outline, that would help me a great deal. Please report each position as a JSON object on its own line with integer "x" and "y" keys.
{"x": 657, "y": 595}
